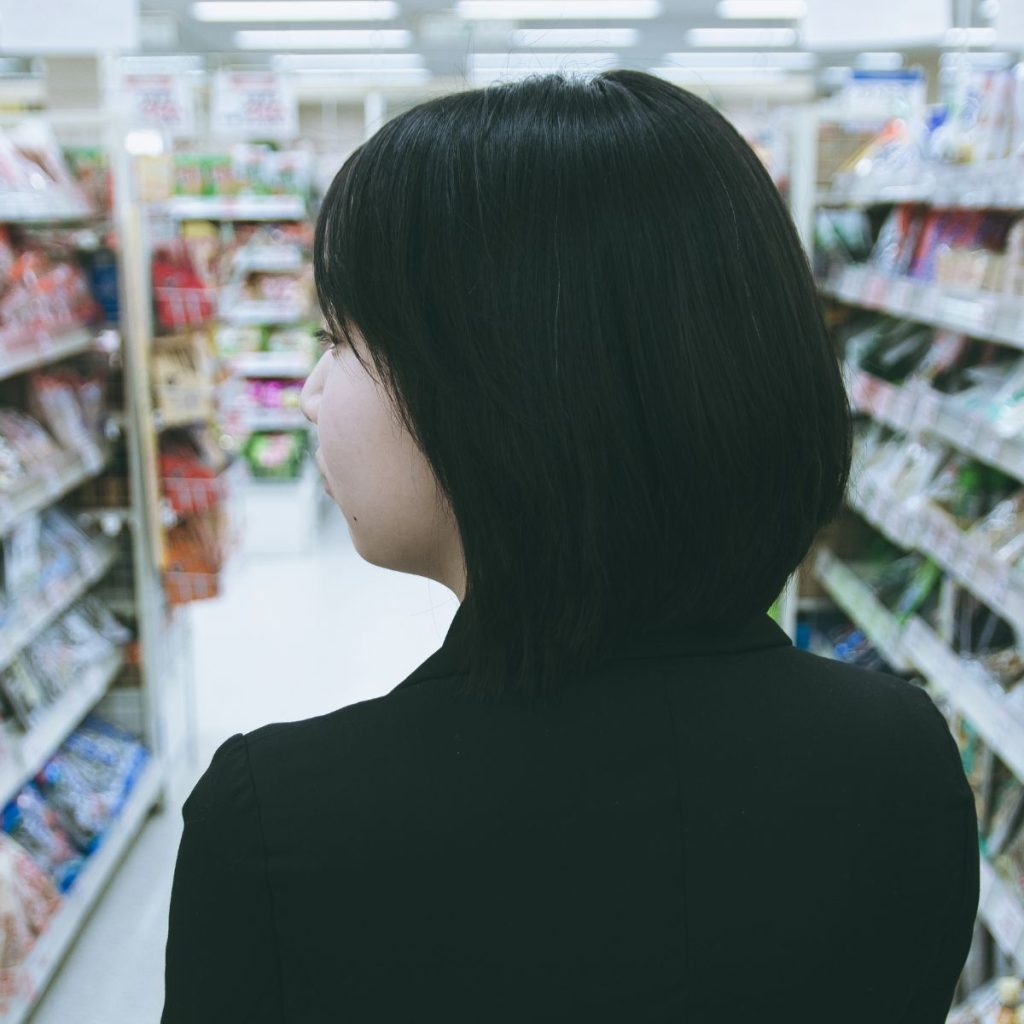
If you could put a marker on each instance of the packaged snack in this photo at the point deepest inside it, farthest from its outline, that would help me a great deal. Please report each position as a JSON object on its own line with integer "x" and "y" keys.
{"x": 24, "y": 696}
{"x": 1007, "y": 814}
{"x": 34, "y": 825}
{"x": 108, "y": 761}
{"x": 53, "y": 398}
{"x": 1009, "y": 1000}
{"x": 33, "y": 445}
{"x": 28, "y": 899}
{"x": 23, "y": 555}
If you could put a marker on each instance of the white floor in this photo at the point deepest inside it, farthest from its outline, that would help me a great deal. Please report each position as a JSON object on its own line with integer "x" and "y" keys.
{"x": 293, "y": 636}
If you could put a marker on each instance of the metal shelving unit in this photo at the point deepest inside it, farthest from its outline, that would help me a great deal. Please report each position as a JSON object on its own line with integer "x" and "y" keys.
{"x": 913, "y": 646}
{"x": 143, "y": 707}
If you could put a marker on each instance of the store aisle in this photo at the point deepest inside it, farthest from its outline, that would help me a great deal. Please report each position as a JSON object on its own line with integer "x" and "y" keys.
{"x": 292, "y": 637}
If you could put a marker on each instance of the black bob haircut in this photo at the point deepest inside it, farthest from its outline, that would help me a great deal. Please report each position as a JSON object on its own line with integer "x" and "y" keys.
{"x": 592, "y": 310}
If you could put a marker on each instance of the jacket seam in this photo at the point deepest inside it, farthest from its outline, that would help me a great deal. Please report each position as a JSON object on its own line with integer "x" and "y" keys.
{"x": 266, "y": 877}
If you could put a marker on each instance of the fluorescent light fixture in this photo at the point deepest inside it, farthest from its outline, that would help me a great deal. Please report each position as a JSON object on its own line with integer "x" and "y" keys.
{"x": 538, "y": 37}
{"x": 880, "y": 60}
{"x": 157, "y": 64}
{"x": 295, "y": 10}
{"x": 557, "y": 10}
{"x": 741, "y": 37}
{"x": 969, "y": 37}
{"x": 363, "y": 76}
{"x": 538, "y": 63}
{"x": 769, "y": 10}
{"x": 792, "y": 60}
{"x": 346, "y": 61}
{"x": 330, "y": 39}
{"x": 684, "y": 76}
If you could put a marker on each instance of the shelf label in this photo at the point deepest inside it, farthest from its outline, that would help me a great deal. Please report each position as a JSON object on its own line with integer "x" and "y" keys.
{"x": 901, "y": 294}
{"x": 969, "y": 314}
{"x": 877, "y": 290}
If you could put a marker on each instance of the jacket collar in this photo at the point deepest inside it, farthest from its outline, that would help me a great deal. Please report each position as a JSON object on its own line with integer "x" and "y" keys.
{"x": 672, "y": 639}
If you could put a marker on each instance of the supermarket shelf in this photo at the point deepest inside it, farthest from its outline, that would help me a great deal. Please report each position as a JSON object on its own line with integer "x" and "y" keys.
{"x": 268, "y": 259}
{"x": 1002, "y": 913}
{"x": 46, "y": 350}
{"x": 927, "y": 529}
{"x": 919, "y": 409}
{"x": 971, "y": 691}
{"x": 53, "y": 945}
{"x": 986, "y": 315}
{"x": 856, "y": 599}
{"x": 34, "y": 613}
{"x": 20, "y": 208}
{"x": 967, "y": 687}
{"x": 29, "y": 752}
{"x": 263, "y": 311}
{"x": 271, "y": 364}
{"x": 237, "y": 207}
{"x": 55, "y": 480}
{"x": 274, "y": 420}
{"x": 992, "y": 185}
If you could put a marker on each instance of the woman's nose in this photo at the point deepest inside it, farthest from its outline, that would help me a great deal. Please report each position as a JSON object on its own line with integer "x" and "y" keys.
{"x": 309, "y": 401}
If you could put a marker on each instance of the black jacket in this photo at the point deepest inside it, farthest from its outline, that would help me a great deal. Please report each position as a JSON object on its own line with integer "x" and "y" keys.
{"x": 710, "y": 828}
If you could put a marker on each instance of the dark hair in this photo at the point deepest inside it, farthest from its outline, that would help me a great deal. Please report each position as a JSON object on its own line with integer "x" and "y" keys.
{"x": 592, "y": 309}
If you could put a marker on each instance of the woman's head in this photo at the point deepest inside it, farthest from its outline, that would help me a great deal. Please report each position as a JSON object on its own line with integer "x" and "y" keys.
{"x": 581, "y": 365}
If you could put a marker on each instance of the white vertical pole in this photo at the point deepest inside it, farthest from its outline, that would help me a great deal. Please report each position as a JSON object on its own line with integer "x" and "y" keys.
{"x": 802, "y": 188}
{"x": 374, "y": 112}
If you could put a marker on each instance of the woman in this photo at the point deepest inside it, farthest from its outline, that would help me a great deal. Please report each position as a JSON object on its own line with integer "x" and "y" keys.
{"x": 578, "y": 374}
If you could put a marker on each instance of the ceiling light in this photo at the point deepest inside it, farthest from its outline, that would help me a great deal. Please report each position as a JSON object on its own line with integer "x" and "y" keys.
{"x": 558, "y": 10}
{"x": 364, "y": 76}
{"x": 741, "y": 36}
{"x": 575, "y": 37}
{"x": 787, "y": 10}
{"x": 159, "y": 63}
{"x": 686, "y": 75}
{"x": 295, "y": 10}
{"x": 793, "y": 60}
{"x": 331, "y": 39}
{"x": 882, "y": 60}
{"x": 539, "y": 62}
{"x": 345, "y": 61}
{"x": 969, "y": 37}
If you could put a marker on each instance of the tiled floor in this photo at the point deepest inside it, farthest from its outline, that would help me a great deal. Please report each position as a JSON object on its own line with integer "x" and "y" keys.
{"x": 293, "y": 636}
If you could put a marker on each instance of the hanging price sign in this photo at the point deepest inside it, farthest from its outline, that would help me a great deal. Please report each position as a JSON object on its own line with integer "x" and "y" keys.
{"x": 164, "y": 103}
{"x": 253, "y": 105}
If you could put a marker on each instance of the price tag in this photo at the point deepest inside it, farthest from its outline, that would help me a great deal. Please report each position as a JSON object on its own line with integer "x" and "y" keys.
{"x": 901, "y": 295}
{"x": 902, "y": 402}
{"x": 885, "y": 400}
{"x": 927, "y": 407}
{"x": 968, "y": 314}
{"x": 877, "y": 290}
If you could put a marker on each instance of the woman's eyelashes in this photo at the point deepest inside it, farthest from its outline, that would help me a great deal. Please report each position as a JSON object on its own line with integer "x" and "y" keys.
{"x": 327, "y": 341}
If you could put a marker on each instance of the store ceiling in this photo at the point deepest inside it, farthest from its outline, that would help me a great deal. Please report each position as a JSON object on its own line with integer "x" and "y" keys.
{"x": 438, "y": 38}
